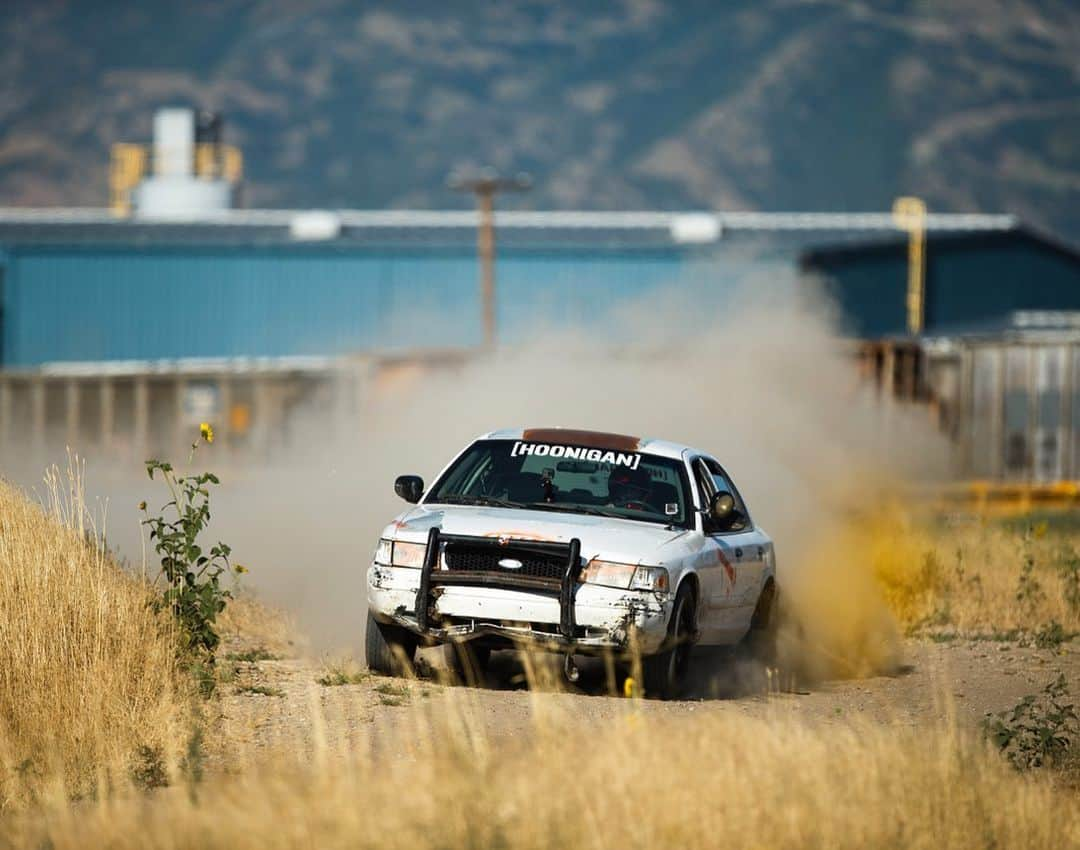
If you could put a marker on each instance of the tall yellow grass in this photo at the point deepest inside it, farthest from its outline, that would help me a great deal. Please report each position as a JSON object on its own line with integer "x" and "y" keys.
{"x": 863, "y": 583}
{"x": 969, "y": 576}
{"x": 644, "y": 781}
{"x": 88, "y": 672}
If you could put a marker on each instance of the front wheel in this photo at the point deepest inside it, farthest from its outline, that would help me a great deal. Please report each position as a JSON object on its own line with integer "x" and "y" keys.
{"x": 388, "y": 649}
{"x": 665, "y": 672}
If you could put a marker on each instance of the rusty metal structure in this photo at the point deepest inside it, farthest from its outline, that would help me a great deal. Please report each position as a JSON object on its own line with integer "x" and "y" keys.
{"x": 1008, "y": 397}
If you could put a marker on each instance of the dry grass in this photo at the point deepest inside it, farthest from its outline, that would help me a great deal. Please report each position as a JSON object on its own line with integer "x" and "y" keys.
{"x": 88, "y": 672}
{"x": 88, "y": 677}
{"x": 716, "y": 780}
{"x": 978, "y": 577}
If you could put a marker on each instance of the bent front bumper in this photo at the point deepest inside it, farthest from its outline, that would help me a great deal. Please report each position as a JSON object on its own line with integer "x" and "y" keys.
{"x": 443, "y": 605}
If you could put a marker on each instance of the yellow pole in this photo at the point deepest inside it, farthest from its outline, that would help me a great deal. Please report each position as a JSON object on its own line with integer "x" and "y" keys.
{"x": 910, "y": 214}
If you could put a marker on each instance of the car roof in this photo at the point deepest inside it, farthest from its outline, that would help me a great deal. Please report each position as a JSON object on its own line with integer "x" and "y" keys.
{"x": 593, "y": 439}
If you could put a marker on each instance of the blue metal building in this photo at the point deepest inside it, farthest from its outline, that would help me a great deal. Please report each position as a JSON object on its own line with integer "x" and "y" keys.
{"x": 85, "y": 286}
{"x": 123, "y": 291}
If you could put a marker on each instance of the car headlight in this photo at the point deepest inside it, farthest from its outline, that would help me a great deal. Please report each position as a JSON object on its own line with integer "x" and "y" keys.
{"x": 398, "y": 554}
{"x": 650, "y": 578}
{"x": 408, "y": 554}
{"x": 625, "y": 576}
{"x": 608, "y": 573}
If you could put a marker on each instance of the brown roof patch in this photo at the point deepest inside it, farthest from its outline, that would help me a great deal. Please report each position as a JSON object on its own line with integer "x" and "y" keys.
{"x": 591, "y": 439}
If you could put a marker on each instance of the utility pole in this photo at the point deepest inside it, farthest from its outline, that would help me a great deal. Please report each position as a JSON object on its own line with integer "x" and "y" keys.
{"x": 485, "y": 186}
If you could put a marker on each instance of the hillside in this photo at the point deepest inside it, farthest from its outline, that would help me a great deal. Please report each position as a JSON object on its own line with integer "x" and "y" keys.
{"x": 776, "y": 104}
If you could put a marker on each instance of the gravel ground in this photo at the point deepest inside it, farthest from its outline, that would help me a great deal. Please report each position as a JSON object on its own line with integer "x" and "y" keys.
{"x": 963, "y": 678}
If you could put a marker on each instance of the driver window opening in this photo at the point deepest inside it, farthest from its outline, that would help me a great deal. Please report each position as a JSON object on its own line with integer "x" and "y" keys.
{"x": 712, "y": 480}
{"x": 706, "y": 487}
{"x": 722, "y": 482}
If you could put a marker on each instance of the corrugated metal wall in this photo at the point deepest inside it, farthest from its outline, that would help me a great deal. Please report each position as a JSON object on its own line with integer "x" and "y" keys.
{"x": 91, "y": 303}
{"x": 1021, "y": 419}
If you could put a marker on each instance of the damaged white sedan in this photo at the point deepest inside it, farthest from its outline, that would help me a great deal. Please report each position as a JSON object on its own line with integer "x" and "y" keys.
{"x": 577, "y": 542}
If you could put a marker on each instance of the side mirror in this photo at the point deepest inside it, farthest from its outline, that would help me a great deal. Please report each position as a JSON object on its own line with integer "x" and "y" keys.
{"x": 722, "y": 507}
{"x": 409, "y": 487}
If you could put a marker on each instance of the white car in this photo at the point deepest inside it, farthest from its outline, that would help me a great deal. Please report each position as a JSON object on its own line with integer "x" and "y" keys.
{"x": 578, "y": 542}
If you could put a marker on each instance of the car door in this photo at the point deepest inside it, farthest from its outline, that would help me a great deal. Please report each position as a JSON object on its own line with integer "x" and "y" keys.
{"x": 752, "y": 546}
{"x": 739, "y": 551}
{"x": 721, "y": 563}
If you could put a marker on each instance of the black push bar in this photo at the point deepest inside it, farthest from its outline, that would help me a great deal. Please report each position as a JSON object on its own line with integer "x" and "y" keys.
{"x": 566, "y": 592}
{"x": 423, "y": 594}
{"x": 430, "y": 575}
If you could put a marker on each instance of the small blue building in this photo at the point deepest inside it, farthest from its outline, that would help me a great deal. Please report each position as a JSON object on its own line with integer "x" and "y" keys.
{"x": 972, "y": 279}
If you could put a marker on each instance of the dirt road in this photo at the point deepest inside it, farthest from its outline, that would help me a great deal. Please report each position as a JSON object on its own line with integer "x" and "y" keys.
{"x": 270, "y": 703}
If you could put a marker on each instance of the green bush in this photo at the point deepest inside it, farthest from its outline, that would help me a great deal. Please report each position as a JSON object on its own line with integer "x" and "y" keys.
{"x": 1036, "y": 732}
{"x": 194, "y": 592}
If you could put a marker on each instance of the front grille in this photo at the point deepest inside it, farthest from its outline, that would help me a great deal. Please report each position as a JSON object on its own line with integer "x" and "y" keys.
{"x": 466, "y": 561}
{"x": 481, "y": 558}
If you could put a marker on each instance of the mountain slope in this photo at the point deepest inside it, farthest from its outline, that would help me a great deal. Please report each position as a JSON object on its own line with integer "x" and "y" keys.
{"x": 777, "y": 104}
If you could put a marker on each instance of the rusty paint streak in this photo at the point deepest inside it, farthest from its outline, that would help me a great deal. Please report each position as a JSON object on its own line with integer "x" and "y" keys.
{"x": 512, "y": 536}
{"x": 729, "y": 569}
{"x": 590, "y": 439}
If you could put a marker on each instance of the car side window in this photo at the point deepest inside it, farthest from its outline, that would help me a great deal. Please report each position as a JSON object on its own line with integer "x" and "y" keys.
{"x": 716, "y": 481}
{"x": 706, "y": 490}
{"x": 721, "y": 481}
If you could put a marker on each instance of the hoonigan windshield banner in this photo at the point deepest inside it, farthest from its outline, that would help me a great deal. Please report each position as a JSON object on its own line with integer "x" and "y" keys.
{"x": 628, "y": 459}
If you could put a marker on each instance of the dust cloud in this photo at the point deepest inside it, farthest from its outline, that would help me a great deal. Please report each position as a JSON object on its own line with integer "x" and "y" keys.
{"x": 763, "y": 379}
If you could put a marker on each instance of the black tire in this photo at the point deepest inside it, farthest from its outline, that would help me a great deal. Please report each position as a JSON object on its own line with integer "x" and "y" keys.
{"x": 388, "y": 649}
{"x": 665, "y": 672}
{"x": 760, "y": 641}
{"x": 467, "y": 661}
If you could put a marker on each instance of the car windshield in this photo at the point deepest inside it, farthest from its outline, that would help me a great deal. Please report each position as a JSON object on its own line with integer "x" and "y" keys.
{"x": 577, "y": 479}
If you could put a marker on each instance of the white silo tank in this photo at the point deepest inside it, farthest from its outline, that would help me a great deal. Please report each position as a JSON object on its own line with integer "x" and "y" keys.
{"x": 173, "y": 191}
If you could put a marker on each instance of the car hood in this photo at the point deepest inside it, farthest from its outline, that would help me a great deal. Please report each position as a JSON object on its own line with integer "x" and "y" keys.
{"x": 612, "y": 539}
